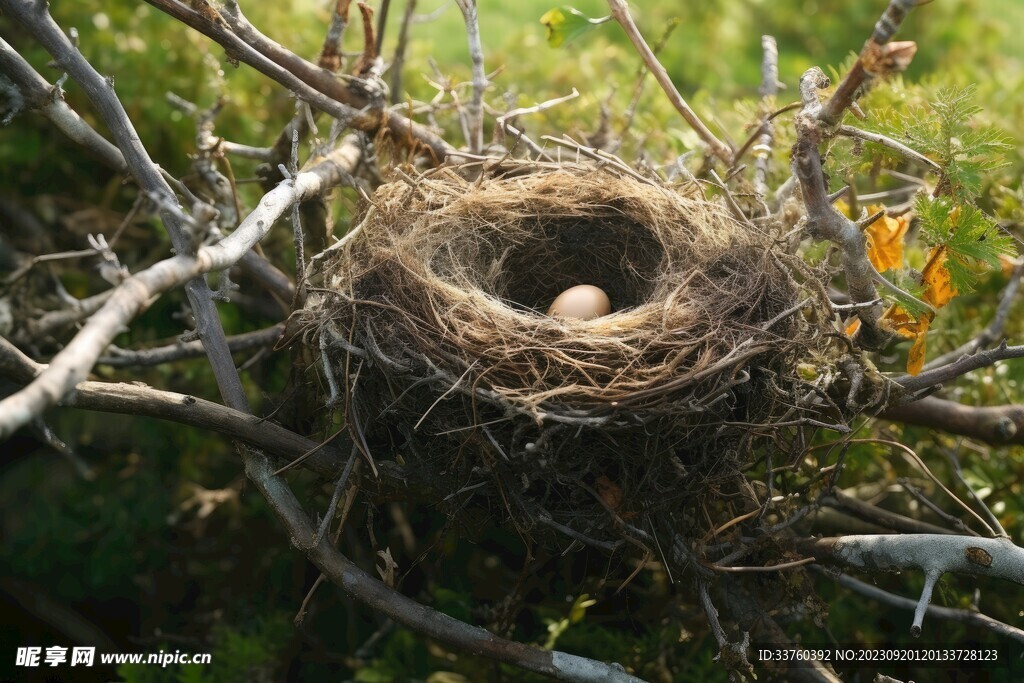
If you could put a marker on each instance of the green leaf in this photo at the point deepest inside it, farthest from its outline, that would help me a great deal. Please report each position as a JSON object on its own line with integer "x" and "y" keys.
{"x": 961, "y": 276}
{"x": 565, "y": 24}
{"x": 905, "y": 280}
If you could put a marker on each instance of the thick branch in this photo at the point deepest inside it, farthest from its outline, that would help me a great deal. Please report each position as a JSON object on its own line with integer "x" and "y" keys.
{"x": 998, "y": 425}
{"x": 934, "y": 554}
{"x": 824, "y": 222}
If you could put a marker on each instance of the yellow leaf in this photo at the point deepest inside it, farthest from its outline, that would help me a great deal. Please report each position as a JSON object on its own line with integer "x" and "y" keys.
{"x": 901, "y": 322}
{"x": 554, "y": 23}
{"x": 852, "y": 328}
{"x": 843, "y": 207}
{"x": 1007, "y": 264}
{"x": 915, "y": 358}
{"x": 885, "y": 240}
{"x": 909, "y": 327}
{"x": 566, "y": 24}
{"x": 954, "y": 215}
{"x": 938, "y": 291}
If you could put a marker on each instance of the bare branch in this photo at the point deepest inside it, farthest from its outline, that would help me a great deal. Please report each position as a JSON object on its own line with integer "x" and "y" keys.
{"x": 37, "y": 21}
{"x": 48, "y": 100}
{"x": 878, "y": 57}
{"x": 931, "y": 553}
{"x": 122, "y": 358}
{"x": 476, "y": 54}
{"x": 929, "y": 378}
{"x": 398, "y": 62}
{"x": 70, "y": 366}
{"x": 769, "y": 88}
{"x": 321, "y": 88}
{"x": 620, "y": 10}
{"x": 330, "y": 53}
{"x": 878, "y": 138}
{"x": 823, "y": 221}
{"x": 998, "y": 425}
{"x": 964, "y": 616}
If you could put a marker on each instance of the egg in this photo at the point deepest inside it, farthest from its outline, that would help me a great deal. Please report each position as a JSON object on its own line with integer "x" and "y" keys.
{"x": 583, "y": 302}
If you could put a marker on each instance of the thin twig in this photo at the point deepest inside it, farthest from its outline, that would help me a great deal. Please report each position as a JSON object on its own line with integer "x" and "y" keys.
{"x": 476, "y": 104}
{"x": 929, "y": 378}
{"x": 878, "y": 138}
{"x": 878, "y": 57}
{"x": 398, "y": 61}
{"x": 769, "y": 88}
{"x": 620, "y": 11}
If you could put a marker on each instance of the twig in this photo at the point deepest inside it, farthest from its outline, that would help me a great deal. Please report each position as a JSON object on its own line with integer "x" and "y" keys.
{"x": 878, "y": 138}
{"x": 476, "y": 54}
{"x": 332, "y": 506}
{"x": 730, "y": 201}
{"x": 880, "y": 279}
{"x": 918, "y": 495}
{"x": 620, "y": 11}
{"x": 959, "y": 472}
{"x": 878, "y": 57}
{"x": 761, "y": 569}
{"x": 122, "y": 358}
{"x": 542, "y": 106}
{"x": 398, "y": 61}
{"x": 769, "y": 88}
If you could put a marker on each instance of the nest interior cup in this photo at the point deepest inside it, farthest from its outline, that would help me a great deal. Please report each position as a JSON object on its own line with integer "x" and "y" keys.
{"x": 430, "y": 321}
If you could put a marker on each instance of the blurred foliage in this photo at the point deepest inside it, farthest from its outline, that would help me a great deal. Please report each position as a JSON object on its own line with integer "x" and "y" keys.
{"x": 129, "y": 550}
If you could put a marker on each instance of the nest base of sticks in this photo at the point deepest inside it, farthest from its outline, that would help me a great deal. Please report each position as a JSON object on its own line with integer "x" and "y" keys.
{"x": 615, "y": 432}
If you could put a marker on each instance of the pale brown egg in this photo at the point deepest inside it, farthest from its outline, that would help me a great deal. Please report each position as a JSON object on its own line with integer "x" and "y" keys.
{"x": 583, "y": 302}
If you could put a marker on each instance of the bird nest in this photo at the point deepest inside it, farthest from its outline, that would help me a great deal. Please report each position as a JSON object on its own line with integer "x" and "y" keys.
{"x": 429, "y": 319}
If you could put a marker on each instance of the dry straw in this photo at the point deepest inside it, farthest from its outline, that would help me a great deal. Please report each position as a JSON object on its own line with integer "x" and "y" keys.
{"x": 431, "y": 328}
